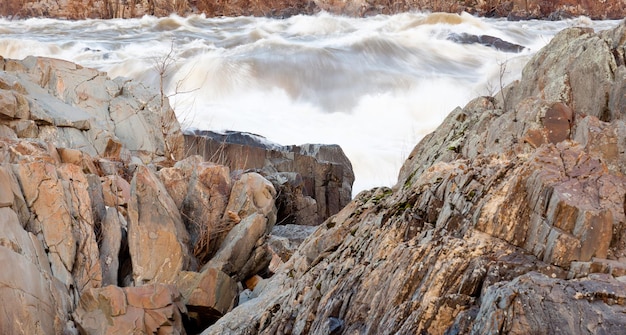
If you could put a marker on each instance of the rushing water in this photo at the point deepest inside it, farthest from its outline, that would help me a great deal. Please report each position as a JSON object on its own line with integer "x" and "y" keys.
{"x": 373, "y": 85}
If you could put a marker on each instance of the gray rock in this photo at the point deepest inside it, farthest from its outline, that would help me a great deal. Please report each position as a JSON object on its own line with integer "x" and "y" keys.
{"x": 492, "y": 213}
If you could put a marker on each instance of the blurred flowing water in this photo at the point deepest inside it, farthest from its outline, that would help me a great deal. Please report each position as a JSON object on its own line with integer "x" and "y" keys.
{"x": 373, "y": 85}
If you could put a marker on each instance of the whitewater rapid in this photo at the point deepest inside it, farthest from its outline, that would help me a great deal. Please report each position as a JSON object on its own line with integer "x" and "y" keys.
{"x": 373, "y": 85}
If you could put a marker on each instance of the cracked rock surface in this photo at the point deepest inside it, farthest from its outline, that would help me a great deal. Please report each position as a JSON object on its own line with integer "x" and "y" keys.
{"x": 508, "y": 219}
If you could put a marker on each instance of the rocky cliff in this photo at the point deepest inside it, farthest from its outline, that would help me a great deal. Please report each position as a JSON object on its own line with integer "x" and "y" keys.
{"x": 512, "y": 9}
{"x": 508, "y": 219}
{"x": 110, "y": 227}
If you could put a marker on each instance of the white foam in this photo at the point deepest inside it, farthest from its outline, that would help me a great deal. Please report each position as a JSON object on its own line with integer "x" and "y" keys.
{"x": 373, "y": 85}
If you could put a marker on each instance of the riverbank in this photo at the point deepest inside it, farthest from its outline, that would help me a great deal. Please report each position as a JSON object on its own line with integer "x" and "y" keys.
{"x": 511, "y": 9}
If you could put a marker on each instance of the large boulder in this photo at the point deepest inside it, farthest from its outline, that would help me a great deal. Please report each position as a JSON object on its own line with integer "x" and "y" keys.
{"x": 157, "y": 238}
{"x": 203, "y": 208}
{"x": 509, "y": 218}
{"x": 208, "y": 295}
{"x": 149, "y": 309}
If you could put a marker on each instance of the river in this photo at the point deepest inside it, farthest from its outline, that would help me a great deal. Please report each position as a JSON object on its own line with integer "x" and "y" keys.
{"x": 373, "y": 85}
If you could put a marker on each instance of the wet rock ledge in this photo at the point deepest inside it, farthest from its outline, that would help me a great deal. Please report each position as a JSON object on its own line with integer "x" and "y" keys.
{"x": 111, "y": 226}
{"x": 508, "y": 219}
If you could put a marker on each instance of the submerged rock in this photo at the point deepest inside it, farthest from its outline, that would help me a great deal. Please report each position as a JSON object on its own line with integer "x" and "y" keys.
{"x": 486, "y": 40}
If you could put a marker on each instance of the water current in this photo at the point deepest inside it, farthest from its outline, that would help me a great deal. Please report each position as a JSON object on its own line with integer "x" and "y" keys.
{"x": 373, "y": 85}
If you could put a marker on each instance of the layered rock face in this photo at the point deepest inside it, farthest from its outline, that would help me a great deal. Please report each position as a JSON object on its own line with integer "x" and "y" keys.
{"x": 106, "y": 227}
{"x": 509, "y": 218}
{"x": 313, "y": 181}
{"x": 512, "y": 9}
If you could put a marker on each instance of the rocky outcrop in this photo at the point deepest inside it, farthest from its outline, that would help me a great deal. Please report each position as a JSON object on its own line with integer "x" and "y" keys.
{"x": 509, "y": 218}
{"x": 106, "y": 229}
{"x": 313, "y": 181}
{"x": 69, "y": 106}
{"x": 512, "y": 9}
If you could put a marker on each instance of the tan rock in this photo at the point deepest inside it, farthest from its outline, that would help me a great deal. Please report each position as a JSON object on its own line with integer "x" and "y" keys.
{"x": 208, "y": 295}
{"x": 45, "y": 196}
{"x": 14, "y": 105}
{"x": 242, "y": 252}
{"x": 203, "y": 208}
{"x": 252, "y": 194}
{"x": 157, "y": 238}
{"x": 6, "y": 191}
{"x": 80, "y": 108}
{"x": 116, "y": 191}
{"x": 34, "y": 302}
{"x": 313, "y": 181}
{"x": 87, "y": 271}
{"x": 149, "y": 309}
{"x": 483, "y": 227}
{"x": 77, "y": 157}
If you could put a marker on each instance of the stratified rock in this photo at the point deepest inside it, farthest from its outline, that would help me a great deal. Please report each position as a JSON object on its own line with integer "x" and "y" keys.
{"x": 509, "y": 218}
{"x": 148, "y": 309}
{"x": 293, "y": 206}
{"x": 534, "y": 303}
{"x": 284, "y": 240}
{"x": 157, "y": 237}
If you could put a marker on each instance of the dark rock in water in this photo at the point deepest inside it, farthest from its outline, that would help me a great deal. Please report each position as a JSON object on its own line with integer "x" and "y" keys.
{"x": 507, "y": 219}
{"x": 490, "y": 41}
{"x": 314, "y": 181}
{"x": 237, "y": 137}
